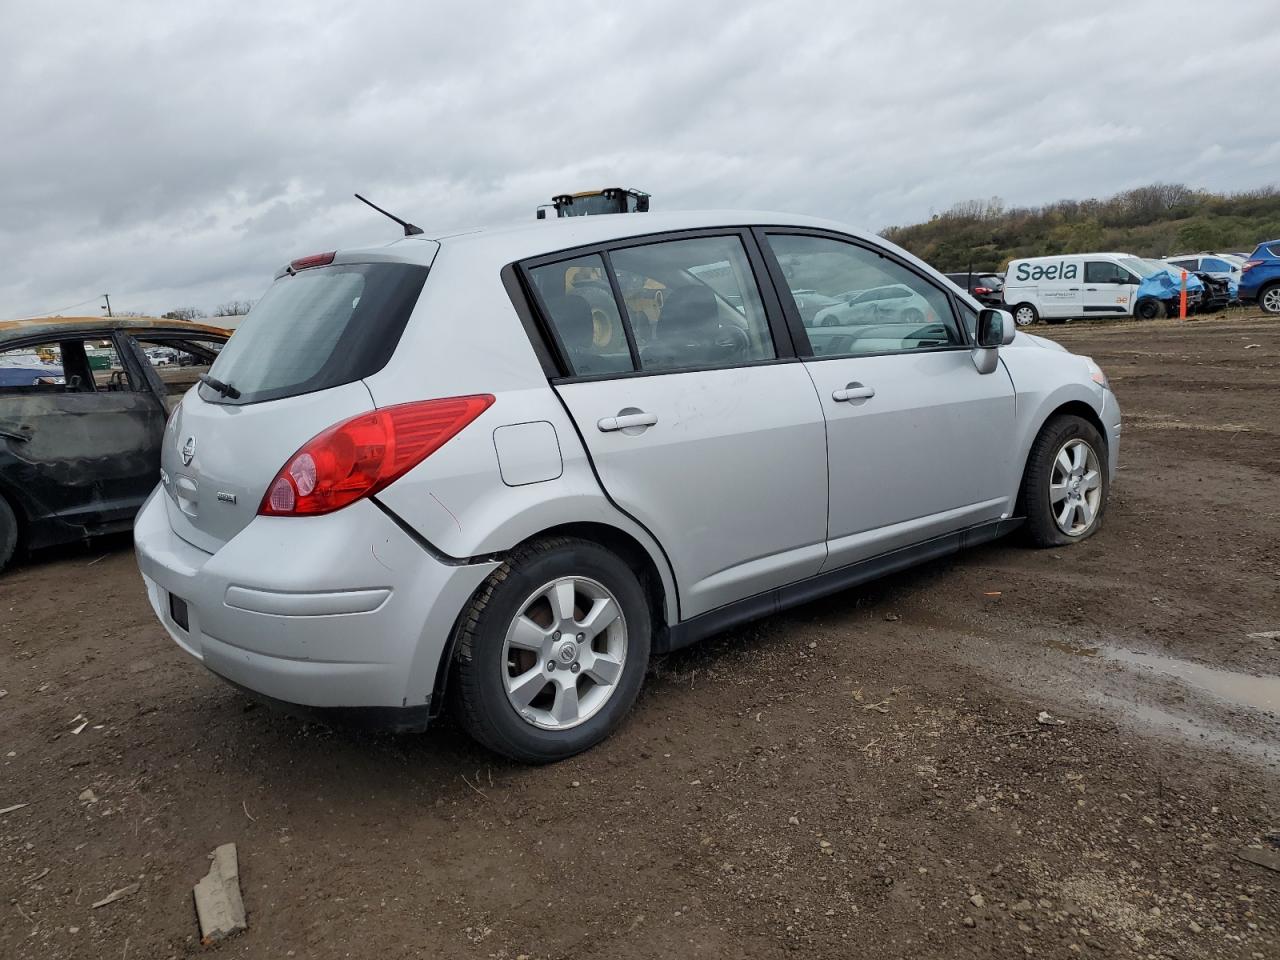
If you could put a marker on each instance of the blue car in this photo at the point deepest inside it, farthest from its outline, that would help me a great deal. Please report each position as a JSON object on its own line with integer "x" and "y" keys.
{"x": 1261, "y": 278}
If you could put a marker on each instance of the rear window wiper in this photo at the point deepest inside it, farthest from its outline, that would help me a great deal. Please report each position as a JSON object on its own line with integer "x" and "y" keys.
{"x": 225, "y": 389}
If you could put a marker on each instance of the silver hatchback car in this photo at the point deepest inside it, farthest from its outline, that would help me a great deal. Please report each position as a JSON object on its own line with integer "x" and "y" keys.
{"x": 504, "y": 468}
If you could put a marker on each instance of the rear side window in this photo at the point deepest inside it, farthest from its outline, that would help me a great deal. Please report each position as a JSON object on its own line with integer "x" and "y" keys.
{"x": 318, "y": 328}
{"x": 580, "y": 305}
{"x": 693, "y": 304}
{"x": 1215, "y": 265}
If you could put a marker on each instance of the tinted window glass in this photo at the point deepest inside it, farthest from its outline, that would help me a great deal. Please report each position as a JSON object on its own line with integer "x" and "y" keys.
{"x": 1104, "y": 271}
{"x": 1215, "y": 266}
{"x": 1184, "y": 264}
{"x": 580, "y": 305}
{"x": 317, "y": 329}
{"x": 693, "y": 303}
{"x": 854, "y": 301}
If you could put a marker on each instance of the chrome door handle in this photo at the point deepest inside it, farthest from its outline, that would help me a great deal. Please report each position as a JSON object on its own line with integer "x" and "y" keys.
{"x": 623, "y": 421}
{"x": 854, "y": 391}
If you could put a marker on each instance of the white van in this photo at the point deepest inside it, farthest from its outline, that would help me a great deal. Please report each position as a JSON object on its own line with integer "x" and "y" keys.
{"x": 1077, "y": 285}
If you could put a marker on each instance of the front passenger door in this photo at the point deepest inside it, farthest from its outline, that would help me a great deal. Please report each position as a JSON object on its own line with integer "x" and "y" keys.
{"x": 1108, "y": 288}
{"x": 918, "y": 441}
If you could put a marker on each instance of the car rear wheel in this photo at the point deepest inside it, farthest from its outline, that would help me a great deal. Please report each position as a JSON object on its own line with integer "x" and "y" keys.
{"x": 1024, "y": 314}
{"x": 552, "y": 651}
{"x": 1064, "y": 491}
{"x": 8, "y": 533}
{"x": 1269, "y": 299}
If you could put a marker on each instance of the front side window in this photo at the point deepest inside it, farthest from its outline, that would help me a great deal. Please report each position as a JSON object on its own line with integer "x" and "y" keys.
{"x": 579, "y": 304}
{"x": 854, "y": 301}
{"x": 693, "y": 304}
{"x": 1104, "y": 271}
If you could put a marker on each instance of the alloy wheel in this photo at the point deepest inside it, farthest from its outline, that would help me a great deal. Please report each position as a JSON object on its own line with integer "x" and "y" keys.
{"x": 1271, "y": 300}
{"x": 564, "y": 652}
{"x": 1075, "y": 487}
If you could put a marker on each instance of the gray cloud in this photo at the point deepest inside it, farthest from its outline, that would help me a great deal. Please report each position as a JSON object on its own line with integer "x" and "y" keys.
{"x": 176, "y": 156}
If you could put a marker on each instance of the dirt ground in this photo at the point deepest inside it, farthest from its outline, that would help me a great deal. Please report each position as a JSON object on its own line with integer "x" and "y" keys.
{"x": 864, "y": 776}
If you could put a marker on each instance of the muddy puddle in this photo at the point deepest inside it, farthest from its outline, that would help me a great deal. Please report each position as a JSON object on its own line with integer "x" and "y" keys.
{"x": 1258, "y": 692}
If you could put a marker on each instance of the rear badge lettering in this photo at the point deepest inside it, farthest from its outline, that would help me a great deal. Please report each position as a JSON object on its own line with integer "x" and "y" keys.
{"x": 226, "y": 497}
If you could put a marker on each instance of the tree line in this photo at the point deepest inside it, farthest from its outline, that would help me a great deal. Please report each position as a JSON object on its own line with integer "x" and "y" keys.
{"x": 232, "y": 308}
{"x": 1163, "y": 219}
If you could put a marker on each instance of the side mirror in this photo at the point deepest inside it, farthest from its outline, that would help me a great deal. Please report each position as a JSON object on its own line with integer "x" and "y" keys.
{"x": 992, "y": 327}
{"x": 995, "y": 329}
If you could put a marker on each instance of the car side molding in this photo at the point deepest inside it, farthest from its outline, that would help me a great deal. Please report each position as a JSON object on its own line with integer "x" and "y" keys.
{"x": 833, "y": 581}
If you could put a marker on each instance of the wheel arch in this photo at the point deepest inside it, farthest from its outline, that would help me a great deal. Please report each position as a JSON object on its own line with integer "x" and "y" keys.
{"x": 660, "y": 590}
{"x": 1070, "y": 408}
{"x": 21, "y": 514}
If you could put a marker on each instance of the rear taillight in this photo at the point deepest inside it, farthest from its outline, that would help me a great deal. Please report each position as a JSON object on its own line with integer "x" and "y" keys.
{"x": 358, "y": 457}
{"x": 1249, "y": 265}
{"x": 981, "y": 290}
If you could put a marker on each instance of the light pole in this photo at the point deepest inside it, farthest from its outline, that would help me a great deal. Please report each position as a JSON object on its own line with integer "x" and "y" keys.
{"x": 107, "y": 297}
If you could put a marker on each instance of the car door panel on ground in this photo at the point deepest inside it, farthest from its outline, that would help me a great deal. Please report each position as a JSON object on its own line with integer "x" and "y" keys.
{"x": 716, "y": 445}
{"x": 917, "y": 438}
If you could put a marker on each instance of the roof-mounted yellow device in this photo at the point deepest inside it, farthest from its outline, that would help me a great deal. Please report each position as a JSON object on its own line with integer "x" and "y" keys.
{"x": 608, "y": 200}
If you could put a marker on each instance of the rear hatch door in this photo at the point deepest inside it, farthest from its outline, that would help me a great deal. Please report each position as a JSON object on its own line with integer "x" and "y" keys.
{"x": 293, "y": 369}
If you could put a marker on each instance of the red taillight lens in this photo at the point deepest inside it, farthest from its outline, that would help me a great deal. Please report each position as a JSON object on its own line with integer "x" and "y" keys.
{"x": 360, "y": 456}
{"x": 980, "y": 290}
{"x": 315, "y": 260}
{"x": 1249, "y": 265}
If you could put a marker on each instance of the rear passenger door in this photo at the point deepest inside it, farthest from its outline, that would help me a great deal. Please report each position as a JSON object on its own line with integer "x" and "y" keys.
{"x": 81, "y": 436}
{"x": 700, "y": 422}
{"x": 918, "y": 441}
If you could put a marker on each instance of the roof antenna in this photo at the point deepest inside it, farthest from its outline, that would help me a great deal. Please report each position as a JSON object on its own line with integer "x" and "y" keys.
{"x": 410, "y": 230}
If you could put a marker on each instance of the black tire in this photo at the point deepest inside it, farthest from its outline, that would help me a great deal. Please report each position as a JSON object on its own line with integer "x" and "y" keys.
{"x": 8, "y": 533}
{"x": 1269, "y": 298}
{"x": 1055, "y": 320}
{"x": 481, "y": 697}
{"x": 1148, "y": 308}
{"x": 1024, "y": 314}
{"x": 1042, "y": 527}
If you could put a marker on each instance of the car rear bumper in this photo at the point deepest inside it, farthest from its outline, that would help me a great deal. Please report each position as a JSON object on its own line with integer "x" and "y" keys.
{"x": 338, "y": 611}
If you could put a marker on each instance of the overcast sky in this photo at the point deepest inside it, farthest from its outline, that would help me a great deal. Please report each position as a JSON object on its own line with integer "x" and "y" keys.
{"x": 173, "y": 157}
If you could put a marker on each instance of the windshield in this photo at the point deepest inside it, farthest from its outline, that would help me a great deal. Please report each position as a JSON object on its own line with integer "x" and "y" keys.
{"x": 316, "y": 329}
{"x": 1143, "y": 268}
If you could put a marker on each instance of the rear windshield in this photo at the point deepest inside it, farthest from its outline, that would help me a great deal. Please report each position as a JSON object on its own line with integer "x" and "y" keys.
{"x": 316, "y": 329}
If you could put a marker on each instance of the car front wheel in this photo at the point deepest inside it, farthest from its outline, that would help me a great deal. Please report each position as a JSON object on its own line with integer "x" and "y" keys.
{"x": 552, "y": 651}
{"x": 1064, "y": 491}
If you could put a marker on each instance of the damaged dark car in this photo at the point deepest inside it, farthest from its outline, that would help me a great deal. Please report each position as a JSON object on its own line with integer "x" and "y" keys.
{"x": 83, "y": 405}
